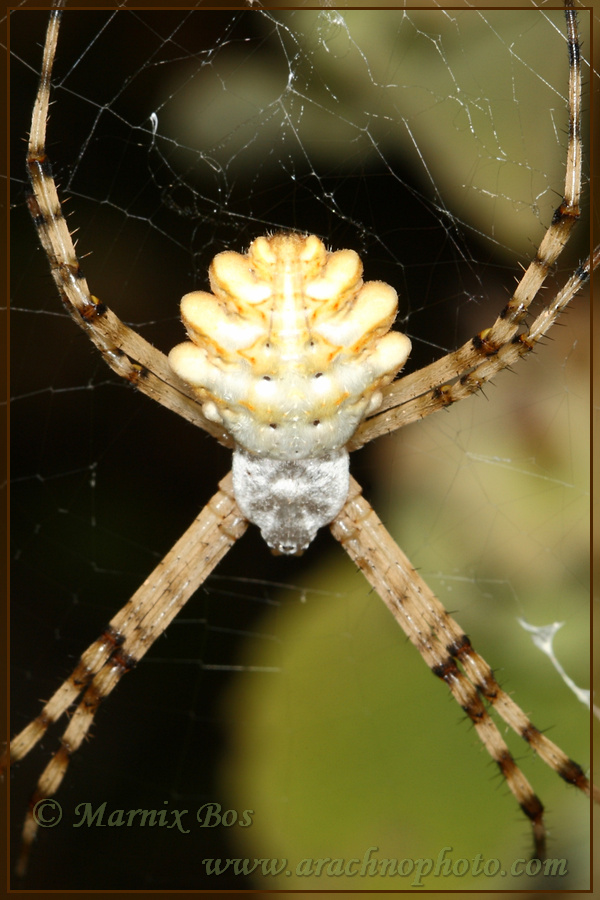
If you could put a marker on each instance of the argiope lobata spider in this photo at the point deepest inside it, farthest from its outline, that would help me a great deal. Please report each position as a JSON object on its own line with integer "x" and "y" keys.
{"x": 122, "y": 347}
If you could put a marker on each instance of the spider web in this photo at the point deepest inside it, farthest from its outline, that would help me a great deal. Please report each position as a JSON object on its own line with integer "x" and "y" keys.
{"x": 433, "y": 143}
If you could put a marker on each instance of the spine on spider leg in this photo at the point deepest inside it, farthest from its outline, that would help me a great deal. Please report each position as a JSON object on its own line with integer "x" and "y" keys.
{"x": 133, "y": 630}
{"x": 433, "y": 633}
{"x": 89, "y": 663}
{"x": 44, "y": 204}
{"x": 433, "y": 387}
{"x": 565, "y": 216}
{"x": 127, "y": 354}
{"x": 421, "y": 405}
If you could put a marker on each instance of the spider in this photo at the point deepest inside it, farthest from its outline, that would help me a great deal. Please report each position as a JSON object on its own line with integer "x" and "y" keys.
{"x": 441, "y": 642}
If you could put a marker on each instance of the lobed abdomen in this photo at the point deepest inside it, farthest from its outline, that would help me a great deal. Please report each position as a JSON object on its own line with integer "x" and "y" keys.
{"x": 290, "y": 351}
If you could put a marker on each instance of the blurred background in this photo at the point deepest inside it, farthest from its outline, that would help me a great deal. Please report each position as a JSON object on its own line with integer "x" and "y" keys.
{"x": 433, "y": 143}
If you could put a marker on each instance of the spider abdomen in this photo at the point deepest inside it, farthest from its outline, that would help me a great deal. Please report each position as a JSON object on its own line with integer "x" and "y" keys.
{"x": 290, "y": 351}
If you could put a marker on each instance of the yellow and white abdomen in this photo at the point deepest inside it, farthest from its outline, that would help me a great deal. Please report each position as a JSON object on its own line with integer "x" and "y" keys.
{"x": 290, "y": 350}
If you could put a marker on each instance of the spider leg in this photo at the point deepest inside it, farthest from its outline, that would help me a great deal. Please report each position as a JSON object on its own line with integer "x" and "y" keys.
{"x": 442, "y": 643}
{"x": 126, "y": 352}
{"x": 444, "y": 395}
{"x": 432, "y": 386}
{"x": 128, "y": 636}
